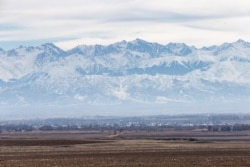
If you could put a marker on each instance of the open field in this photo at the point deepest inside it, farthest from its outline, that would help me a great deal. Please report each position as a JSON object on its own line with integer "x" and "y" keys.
{"x": 126, "y": 149}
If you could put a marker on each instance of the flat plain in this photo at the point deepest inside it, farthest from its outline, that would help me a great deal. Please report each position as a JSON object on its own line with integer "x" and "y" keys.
{"x": 73, "y": 149}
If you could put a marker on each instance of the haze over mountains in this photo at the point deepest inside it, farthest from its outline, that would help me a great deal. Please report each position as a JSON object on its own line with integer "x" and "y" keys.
{"x": 126, "y": 72}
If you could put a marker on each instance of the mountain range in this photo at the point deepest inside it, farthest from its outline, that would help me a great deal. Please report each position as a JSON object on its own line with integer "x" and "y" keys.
{"x": 126, "y": 72}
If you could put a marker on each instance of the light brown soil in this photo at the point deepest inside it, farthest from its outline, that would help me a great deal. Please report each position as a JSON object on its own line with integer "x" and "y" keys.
{"x": 121, "y": 152}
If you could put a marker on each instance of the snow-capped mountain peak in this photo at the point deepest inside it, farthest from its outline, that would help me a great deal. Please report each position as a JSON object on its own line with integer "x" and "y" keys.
{"x": 126, "y": 71}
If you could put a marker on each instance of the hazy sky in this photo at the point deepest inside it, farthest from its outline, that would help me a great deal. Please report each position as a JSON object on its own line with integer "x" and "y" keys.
{"x": 69, "y": 23}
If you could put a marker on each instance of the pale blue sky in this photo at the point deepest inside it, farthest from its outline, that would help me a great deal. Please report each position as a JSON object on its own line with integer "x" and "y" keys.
{"x": 71, "y": 23}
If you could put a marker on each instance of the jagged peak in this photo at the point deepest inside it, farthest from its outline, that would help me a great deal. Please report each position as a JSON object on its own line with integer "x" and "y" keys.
{"x": 123, "y": 42}
{"x": 238, "y": 43}
{"x": 118, "y": 45}
{"x": 50, "y": 45}
{"x": 180, "y": 49}
{"x": 242, "y": 43}
{"x": 139, "y": 41}
{"x": 172, "y": 44}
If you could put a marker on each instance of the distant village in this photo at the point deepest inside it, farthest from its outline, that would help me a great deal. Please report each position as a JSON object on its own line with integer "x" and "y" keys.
{"x": 202, "y": 122}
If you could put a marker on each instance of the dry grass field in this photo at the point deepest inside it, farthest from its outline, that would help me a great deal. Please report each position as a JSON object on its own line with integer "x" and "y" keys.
{"x": 20, "y": 151}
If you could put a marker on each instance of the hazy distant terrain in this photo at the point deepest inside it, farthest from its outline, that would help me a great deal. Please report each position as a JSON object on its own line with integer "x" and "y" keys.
{"x": 127, "y": 72}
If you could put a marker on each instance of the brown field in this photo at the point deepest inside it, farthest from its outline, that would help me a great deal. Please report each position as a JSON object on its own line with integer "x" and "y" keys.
{"x": 73, "y": 149}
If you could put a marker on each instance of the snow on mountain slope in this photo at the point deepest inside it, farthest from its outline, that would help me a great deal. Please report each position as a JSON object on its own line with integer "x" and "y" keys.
{"x": 135, "y": 71}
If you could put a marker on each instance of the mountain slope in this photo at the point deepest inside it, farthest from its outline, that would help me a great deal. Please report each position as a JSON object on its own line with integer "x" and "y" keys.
{"x": 125, "y": 72}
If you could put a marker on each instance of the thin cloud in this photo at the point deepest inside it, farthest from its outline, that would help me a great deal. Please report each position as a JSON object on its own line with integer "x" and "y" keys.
{"x": 66, "y": 23}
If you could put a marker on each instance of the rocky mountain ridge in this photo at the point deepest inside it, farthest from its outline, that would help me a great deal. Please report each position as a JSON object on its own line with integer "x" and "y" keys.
{"x": 125, "y": 72}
